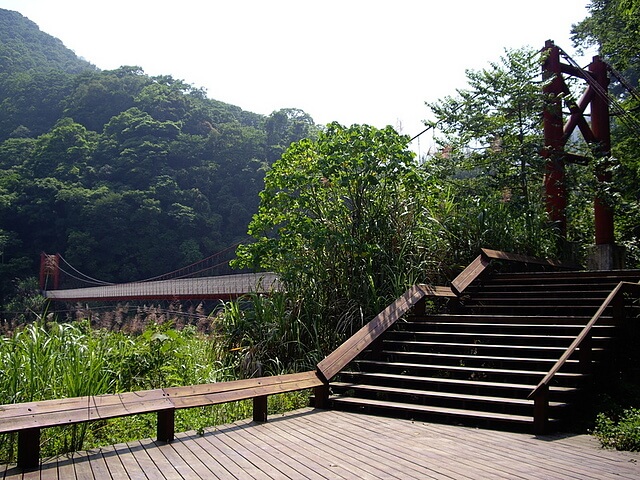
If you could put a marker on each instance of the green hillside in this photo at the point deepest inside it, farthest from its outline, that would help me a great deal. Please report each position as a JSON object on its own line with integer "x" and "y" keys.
{"x": 24, "y": 47}
{"x": 126, "y": 175}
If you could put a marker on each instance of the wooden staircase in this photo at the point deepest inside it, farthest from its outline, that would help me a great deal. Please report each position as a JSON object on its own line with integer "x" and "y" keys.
{"x": 477, "y": 360}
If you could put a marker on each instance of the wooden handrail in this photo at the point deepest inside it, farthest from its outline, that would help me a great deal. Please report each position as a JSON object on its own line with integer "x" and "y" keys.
{"x": 515, "y": 257}
{"x": 345, "y": 353}
{"x": 482, "y": 261}
{"x": 622, "y": 287}
{"x": 540, "y": 394}
{"x": 29, "y": 418}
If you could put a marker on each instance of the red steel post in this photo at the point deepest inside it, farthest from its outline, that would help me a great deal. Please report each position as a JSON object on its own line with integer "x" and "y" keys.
{"x": 49, "y": 268}
{"x": 553, "y": 150}
{"x": 600, "y": 126}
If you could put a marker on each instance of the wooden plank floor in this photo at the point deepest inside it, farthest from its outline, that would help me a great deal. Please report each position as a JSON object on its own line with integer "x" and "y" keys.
{"x": 329, "y": 444}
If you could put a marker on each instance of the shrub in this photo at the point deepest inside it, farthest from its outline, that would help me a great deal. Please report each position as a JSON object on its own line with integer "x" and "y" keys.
{"x": 623, "y": 434}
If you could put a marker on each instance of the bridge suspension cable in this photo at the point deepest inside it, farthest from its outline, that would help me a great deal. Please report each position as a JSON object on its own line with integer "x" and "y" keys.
{"x": 83, "y": 277}
{"x": 193, "y": 270}
{"x": 184, "y": 272}
{"x": 626, "y": 117}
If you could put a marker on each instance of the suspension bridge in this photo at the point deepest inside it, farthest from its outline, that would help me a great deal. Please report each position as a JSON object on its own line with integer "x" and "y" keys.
{"x": 207, "y": 279}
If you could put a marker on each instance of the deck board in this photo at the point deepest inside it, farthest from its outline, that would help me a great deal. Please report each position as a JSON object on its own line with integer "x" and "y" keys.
{"x": 301, "y": 450}
{"x": 398, "y": 463}
{"x": 316, "y": 444}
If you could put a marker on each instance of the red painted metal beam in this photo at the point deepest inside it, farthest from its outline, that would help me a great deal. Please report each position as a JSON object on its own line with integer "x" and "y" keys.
{"x": 600, "y": 125}
{"x": 49, "y": 270}
{"x": 553, "y": 150}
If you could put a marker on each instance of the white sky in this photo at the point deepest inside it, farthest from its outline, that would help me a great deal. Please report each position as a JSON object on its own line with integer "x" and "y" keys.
{"x": 353, "y": 61}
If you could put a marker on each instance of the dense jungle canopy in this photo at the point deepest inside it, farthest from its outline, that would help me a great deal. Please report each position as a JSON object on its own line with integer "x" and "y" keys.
{"x": 127, "y": 175}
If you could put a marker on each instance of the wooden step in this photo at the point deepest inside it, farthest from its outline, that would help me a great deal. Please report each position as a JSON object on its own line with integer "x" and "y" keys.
{"x": 515, "y": 328}
{"x": 470, "y": 372}
{"x": 542, "y": 320}
{"x": 468, "y": 360}
{"x": 526, "y": 350}
{"x": 452, "y": 384}
{"x": 475, "y": 338}
{"x": 426, "y": 394}
{"x": 494, "y": 404}
{"x": 583, "y": 276}
{"x": 542, "y": 291}
{"x": 532, "y": 310}
{"x": 454, "y": 415}
{"x": 539, "y": 302}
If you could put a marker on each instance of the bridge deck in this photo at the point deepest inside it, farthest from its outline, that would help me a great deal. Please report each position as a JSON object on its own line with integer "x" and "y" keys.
{"x": 331, "y": 445}
{"x": 220, "y": 287}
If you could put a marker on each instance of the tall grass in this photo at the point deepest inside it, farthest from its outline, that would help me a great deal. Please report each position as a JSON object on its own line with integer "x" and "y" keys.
{"x": 265, "y": 335}
{"x": 49, "y": 360}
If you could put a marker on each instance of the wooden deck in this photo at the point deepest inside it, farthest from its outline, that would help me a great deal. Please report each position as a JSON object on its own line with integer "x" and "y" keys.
{"x": 321, "y": 444}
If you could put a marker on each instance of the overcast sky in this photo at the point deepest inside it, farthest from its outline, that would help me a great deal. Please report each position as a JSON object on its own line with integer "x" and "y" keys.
{"x": 353, "y": 61}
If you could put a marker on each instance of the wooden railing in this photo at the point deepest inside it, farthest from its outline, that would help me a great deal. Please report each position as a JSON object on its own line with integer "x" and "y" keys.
{"x": 582, "y": 344}
{"x": 482, "y": 261}
{"x": 29, "y": 418}
{"x": 346, "y": 352}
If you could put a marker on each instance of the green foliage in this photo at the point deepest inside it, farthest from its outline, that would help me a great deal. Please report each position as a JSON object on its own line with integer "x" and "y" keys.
{"x": 24, "y": 306}
{"x": 623, "y": 434}
{"x": 341, "y": 219}
{"x": 265, "y": 335}
{"x": 116, "y": 169}
{"x": 490, "y": 138}
{"x": 614, "y": 26}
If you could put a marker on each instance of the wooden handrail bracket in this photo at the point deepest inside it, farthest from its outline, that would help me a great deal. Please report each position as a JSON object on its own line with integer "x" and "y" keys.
{"x": 469, "y": 274}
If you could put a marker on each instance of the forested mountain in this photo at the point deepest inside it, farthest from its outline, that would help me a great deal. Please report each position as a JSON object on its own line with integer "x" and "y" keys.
{"x": 126, "y": 175}
{"x": 24, "y": 47}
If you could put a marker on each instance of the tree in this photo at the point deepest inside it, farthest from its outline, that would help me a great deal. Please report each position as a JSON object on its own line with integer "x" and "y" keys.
{"x": 614, "y": 26}
{"x": 341, "y": 219}
{"x": 134, "y": 149}
{"x": 64, "y": 152}
{"x": 490, "y": 138}
{"x": 99, "y": 96}
{"x": 284, "y": 127}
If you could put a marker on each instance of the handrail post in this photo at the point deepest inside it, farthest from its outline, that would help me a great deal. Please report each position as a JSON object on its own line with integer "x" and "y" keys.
{"x": 625, "y": 338}
{"x": 260, "y": 409}
{"x": 29, "y": 448}
{"x": 541, "y": 410}
{"x": 321, "y": 396}
{"x": 420, "y": 308}
{"x": 166, "y": 425}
